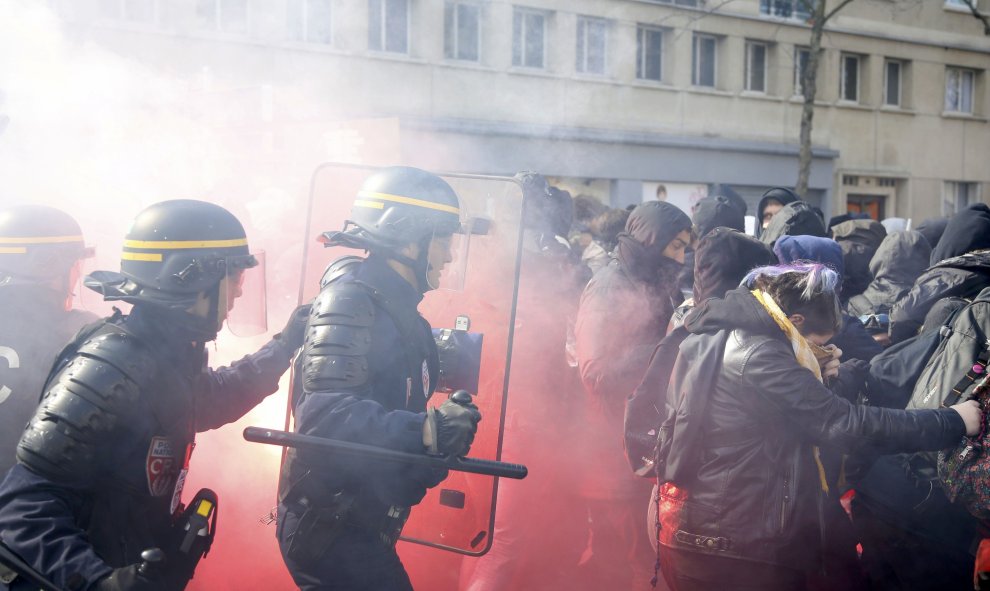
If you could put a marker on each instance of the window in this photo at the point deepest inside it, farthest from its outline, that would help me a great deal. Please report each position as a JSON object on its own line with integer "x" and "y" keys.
{"x": 892, "y": 83}
{"x": 528, "y": 38}
{"x": 649, "y": 53}
{"x": 309, "y": 20}
{"x": 849, "y": 80}
{"x": 796, "y": 9}
{"x": 388, "y": 25}
{"x": 228, "y": 16}
{"x": 959, "y": 4}
{"x": 959, "y": 90}
{"x": 703, "y": 60}
{"x": 801, "y": 57}
{"x": 462, "y": 31}
{"x": 756, "y": 66}
{"x": 679, "y": 2}
{"x": 591, "y": 41}
{"x": 957, "y": 195}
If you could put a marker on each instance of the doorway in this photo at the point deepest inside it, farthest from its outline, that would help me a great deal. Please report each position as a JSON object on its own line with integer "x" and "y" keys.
{"x": 868, "y": 204}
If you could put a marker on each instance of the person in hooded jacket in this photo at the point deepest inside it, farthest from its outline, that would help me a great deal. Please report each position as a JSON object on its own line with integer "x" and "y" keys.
{"x": 859, "y": 241}
{"x": 960, "y": 267}
{"x": 742, "y": 497}
{"x": 932, "y": 229}
{"x": 794, "y": 219}
{"x": 770, "y": 203}
{"x": 709, "y": 213}
{"x": 852, "y": 337}
{"x": 901, "y": 258}
{"x": 622, "y": 315}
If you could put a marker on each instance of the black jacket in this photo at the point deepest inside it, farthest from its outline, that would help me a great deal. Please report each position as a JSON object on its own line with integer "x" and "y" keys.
{"x": 901, "y": 258}
{"x": 962, "y": 276}
{"x": 859, "y": 241}
{"x": 746, "y": 484}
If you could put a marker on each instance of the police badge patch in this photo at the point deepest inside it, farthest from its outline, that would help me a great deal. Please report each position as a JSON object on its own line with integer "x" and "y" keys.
{"x": 160, "y": 466}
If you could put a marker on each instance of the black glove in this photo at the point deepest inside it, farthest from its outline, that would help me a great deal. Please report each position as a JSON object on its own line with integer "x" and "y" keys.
{"x": 851, "y": 381}
{"x": 128, "y": 578}
{"x": 449, "y": 429}
{"x": 295, "y": 329}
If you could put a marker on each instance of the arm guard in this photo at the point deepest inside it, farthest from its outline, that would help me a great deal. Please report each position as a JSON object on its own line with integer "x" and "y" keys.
{"x": 338, "y": 339}
{"x": 81, "y": 406}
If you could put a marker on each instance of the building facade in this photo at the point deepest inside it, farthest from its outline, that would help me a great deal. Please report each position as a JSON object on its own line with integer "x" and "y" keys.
{"x": 612, "y": 98}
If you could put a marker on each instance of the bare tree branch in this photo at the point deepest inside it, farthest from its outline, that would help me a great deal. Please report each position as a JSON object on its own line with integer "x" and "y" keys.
{"x": 979, "y": 15}
{"x": 836, "y": 9}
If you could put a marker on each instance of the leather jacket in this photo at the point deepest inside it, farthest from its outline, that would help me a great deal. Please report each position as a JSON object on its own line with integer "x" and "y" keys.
{"x": 753, "y": 489}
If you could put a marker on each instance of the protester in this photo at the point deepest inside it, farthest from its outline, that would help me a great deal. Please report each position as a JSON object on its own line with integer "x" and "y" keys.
{"x": 772, "y": 202}
{"x": 743, "y": 489}
{"x": 794, "y": 219}
{"x": 960, "y": 268}
{"x": 605, "y": 229}
{"x": 932, "y": 229}
{"x": 859, "y": 241}
{"x": 901, "y": 258}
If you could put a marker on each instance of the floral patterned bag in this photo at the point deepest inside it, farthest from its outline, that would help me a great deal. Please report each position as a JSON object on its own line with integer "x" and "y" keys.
{"x": 965, "y": 470}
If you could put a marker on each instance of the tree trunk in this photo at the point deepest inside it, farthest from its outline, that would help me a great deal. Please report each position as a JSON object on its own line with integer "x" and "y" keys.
{"x": 809, "y": 88}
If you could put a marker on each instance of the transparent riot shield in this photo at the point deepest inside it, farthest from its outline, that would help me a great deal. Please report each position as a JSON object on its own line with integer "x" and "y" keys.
{"x": 459, "y": 514}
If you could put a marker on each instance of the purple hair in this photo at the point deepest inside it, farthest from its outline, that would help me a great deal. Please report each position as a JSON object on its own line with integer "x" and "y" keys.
{"x": 818, "y": 277}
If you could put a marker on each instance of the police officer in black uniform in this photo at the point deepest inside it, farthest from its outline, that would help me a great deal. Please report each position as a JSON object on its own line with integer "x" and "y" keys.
{"x": 368, "y": 367}
{"x": 102, "y": 462}
{"x": 40, "y": 253}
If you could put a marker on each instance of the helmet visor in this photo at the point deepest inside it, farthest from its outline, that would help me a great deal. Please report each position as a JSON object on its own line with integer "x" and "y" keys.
{"x": 448, "y": 256}
{"x": 245, "y": 294}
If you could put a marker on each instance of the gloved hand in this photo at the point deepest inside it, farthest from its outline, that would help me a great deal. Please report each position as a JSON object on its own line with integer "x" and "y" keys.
{"x": 128, "y": 578}
{"x": 450, "y": 428}
{"x": 295, "y": 329}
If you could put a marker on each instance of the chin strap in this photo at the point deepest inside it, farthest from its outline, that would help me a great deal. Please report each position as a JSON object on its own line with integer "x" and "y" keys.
{"x": 420, "y": 266}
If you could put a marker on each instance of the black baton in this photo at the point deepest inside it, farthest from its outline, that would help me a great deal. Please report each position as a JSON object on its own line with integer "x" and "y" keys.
{"x": 308, "y": 442}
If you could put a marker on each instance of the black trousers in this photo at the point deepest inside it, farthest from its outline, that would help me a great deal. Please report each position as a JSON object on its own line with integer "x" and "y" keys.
{"x": 692, "y": 571}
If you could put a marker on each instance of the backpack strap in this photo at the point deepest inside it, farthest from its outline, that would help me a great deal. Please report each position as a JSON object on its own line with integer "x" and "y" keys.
{"x": 978, "y": 370}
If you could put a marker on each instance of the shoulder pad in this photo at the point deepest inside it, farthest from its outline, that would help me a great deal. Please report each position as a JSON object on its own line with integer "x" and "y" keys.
{"x": 338, "y": 269}
{"x": 338, "y": 339}
{"x": 82, "y": 405}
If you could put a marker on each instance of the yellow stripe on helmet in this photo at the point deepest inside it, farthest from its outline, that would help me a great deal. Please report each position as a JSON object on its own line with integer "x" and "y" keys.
{"x": 410, "y": 201}
{"x": 181, "y": 244}
{"x": 39, "y": 239}
{"x": 13, "y": 250}
{"x": 371, "y": 204}
{"x": 152, "y": 257}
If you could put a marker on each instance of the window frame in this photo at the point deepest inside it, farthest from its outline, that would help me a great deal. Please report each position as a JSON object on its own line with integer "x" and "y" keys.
{"x": 748, "y": 65}
{"x": 842, "y": 77}
{"x": 522, "y": 12}
{"x": 304, "y": 20}
{"x": 454, "y": 30}
{"x": 972, "y": 90}
{"x": 582, "y": 35}
{"x": 383, "y": 37}
{"x": 217, "y": 20}
{"x": 951, "y": 192}
{"x": 900, "y": 82}
{"x": 696, "y": 61}
{"x": 766, "y": 10}
{"x": 641, "y": 53}
{"x": 800, "y": 50}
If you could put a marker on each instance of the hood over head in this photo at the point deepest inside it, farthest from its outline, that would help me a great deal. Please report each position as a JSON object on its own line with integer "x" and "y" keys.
{"x": 901, "y": 258}
{"x": 932, "y": 229}
{"x": 966, "y": 231}
{"x": 782, "y": 195}
{"x": 835, "y": 220}
{"x": 650, "y": 228}
{"x": 795, "y": 219}
{"x": 790, "y": 249}
{"x": 720, "y": 190}
{"x": 717, "y": 211}
{"x": 859, "y": 241}
{"x": 723, "y": 258}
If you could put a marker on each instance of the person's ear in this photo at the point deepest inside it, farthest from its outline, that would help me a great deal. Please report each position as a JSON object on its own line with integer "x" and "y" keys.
{"x": 797, "y": 320}
{"x": 410, "y": 250}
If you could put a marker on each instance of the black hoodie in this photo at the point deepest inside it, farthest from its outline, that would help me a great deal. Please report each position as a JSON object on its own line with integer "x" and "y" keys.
{"x": 859, "y": 241}
{"x": 901, "y": 258}
{"x": 962, "y": 270}
{"x": 780, "y": 195}
{"x": 932, "y": 229}
{"x": 794, "y": 219}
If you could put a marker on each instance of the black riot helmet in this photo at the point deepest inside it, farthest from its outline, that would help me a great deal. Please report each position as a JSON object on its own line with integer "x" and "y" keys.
{"x": 39, "y": 245}
{"x": 396, "y": 207}
{"x": 175, "y": 251}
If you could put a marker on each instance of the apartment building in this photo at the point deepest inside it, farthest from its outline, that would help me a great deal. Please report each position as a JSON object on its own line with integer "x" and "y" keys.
{"x": 612, "y": 98}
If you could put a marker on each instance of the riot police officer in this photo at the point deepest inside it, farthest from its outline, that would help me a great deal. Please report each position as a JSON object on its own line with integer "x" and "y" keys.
{"x": 102, "y": 463}
{"x": 41, "y": 249}
{"x": 368, "y": 367}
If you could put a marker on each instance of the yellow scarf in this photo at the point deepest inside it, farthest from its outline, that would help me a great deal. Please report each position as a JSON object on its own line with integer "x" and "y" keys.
{"x": 801, "y": 351}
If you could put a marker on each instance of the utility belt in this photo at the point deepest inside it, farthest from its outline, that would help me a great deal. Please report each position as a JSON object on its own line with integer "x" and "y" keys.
{"x": 324, "y": 517}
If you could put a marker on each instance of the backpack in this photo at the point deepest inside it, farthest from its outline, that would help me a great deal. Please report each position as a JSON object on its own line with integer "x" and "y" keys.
{"x": 957, "y": 371}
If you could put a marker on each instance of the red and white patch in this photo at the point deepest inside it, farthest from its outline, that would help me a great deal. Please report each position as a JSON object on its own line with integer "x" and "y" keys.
{"x": 426, "y": 379}
{"x": 161, "y": 466}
